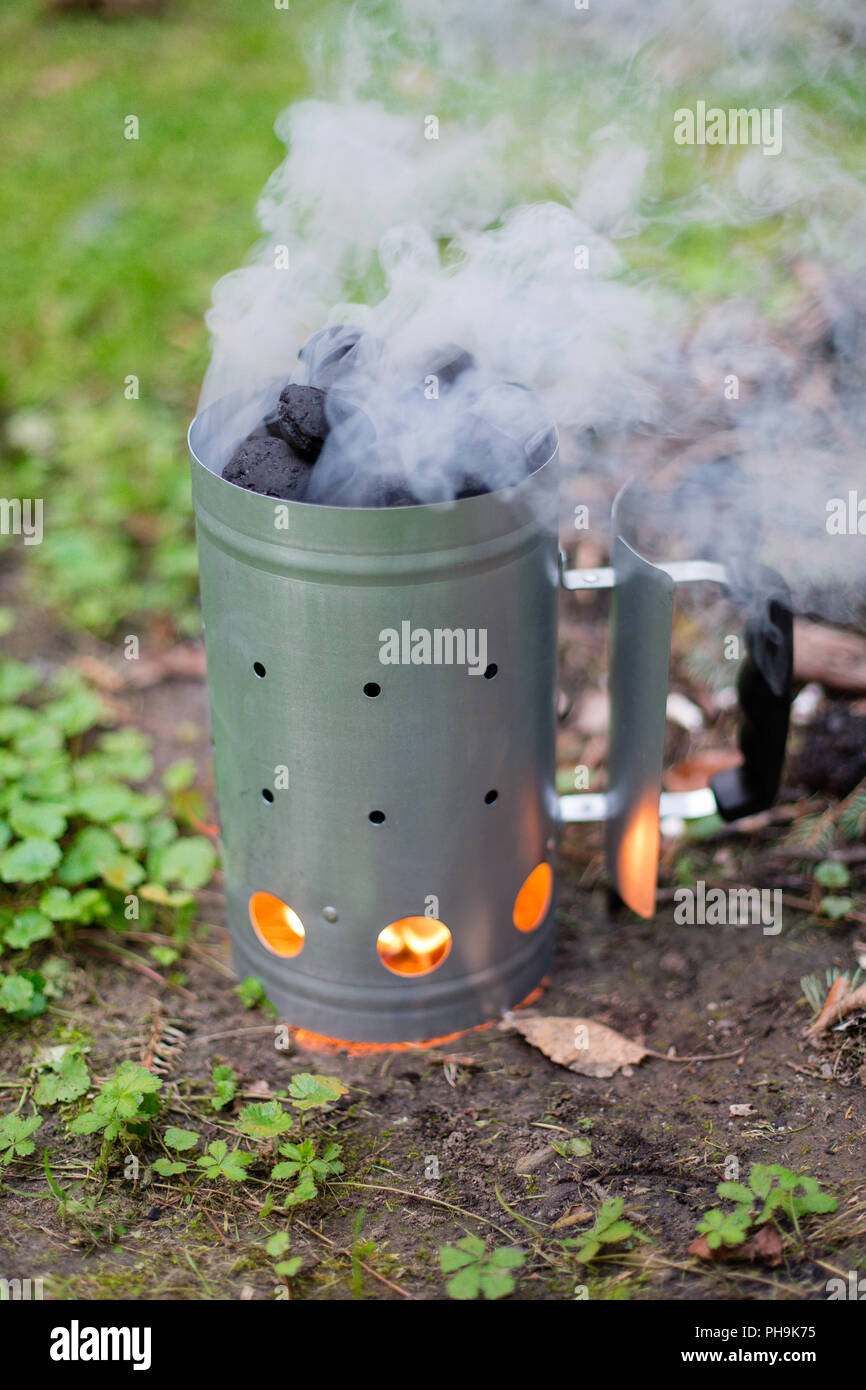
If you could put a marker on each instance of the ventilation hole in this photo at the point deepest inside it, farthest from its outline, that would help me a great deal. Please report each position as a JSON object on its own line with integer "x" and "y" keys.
{"x": 377, "y": 817}
{"x": 371, "y": 690}
{"x": 276, "y": 925}
{"x": 259, "y": 670}
{"x": 414, "y": 945}
{"x": 491, "y": 671}
{"x": 491, "y": 796}
{"x": 267, "y": 795}
{"x": 533, "y": 900}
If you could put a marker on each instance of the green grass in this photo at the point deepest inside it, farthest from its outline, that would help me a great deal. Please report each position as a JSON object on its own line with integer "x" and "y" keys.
{"x": 110, "y": 249}
{"x": 112, "y": 245}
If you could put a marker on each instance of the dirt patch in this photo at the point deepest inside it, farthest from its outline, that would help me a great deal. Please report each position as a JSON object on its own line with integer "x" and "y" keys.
{"x": 463, "y": 1138}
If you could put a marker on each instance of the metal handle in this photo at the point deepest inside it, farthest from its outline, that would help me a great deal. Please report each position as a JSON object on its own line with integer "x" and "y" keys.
{"x": 640, "y": 646}
{"x": 764, "y": 690}
{"x": 640, "y": 632}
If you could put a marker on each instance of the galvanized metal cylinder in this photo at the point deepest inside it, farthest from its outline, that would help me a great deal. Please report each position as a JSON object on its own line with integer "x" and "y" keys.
{"x": 359, "y": 793}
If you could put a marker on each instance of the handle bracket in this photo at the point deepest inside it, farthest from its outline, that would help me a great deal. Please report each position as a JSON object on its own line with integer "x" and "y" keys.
{"x": 680, "y": 571}
{"x": 584, "y": 807}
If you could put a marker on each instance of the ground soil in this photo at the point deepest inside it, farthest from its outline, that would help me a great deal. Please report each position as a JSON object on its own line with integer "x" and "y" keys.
{"x": 486, "y": 1108}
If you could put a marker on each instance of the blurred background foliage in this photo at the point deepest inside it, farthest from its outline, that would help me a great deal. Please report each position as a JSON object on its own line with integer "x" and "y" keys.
{"x": 110, "y": 247}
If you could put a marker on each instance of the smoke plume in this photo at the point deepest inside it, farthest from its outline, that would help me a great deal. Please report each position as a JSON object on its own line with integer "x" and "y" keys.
{"x": 505, "y": 178}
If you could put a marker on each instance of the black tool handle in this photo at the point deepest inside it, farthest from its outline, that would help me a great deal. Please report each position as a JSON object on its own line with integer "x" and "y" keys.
{"x": 764, "y": 690}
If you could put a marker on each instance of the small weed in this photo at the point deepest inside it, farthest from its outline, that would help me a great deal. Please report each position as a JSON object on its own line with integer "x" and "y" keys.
{"x": 63, "y": 1075}
{"x": 225, "y": 1085}
{"x": 276, "y": 1247}
{"x": 772, "y": 1191}
{"x": 251, "y": 993}
{"x": 266, "y": 1120}
{"x": 124, "y": 1108}
{"x": 302, "y": 1163}
{"x": 476, "y": 1271}
{"x": 82, "y": 844}
{"x": 91, "y": 1213}
{"x": 222, "y": 1162}
{"x": 607, "y": 1229}
{"x": 361, "y": 1250}
{"x": 15, "y": 1132}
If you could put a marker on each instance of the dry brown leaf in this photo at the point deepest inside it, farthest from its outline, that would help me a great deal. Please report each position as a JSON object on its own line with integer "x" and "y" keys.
{"x": 838, "y": 1005}
{"x": 259, "y": 1088}
{"x": 764, "y": 1247}
{"x": 594, "y": 713}
{"x": 591, "y": 1049}
{"x": 573, "y": 1217}
{"x": 62, "y": 77}
{"x": 100, "y": 673}
{"x": 695, "y": 772}
{"x": 832, "y": 657}
{"x": 840, "y": 987}
{"x": 185, "y": 661}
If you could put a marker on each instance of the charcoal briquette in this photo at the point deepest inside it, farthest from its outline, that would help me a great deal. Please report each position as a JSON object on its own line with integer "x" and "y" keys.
{"x": 271, "y": 423}
{"x": 497, "y": 457}
{"x": 385, "y": 491}
{"x": 268, "y": 466}
{"x": 470, "y": 485}
{"x": 334, "y": 353}
{"x": 501, "y": 432}
{"x": 301, "y": 419}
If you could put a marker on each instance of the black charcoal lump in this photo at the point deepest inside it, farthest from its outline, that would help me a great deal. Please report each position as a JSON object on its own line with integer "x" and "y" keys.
{"x": 320, "y": 444}
{"x": 355, "y": 470}
{"x": 267, "y": 465}
{"x": 334, "y": 353}
{"x": 301, "y": 419}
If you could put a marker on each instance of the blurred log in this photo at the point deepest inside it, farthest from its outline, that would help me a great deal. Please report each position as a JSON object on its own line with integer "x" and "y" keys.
{"x": 834, "y": 658}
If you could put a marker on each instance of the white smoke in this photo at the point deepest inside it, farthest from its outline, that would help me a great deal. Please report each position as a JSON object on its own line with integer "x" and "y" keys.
{"x": 509, "y": 231}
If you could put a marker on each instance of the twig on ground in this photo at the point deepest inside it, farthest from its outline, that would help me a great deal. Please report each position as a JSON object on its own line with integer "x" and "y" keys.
{"x": 319, "y": 1235}
{"x": 121, "y": 957}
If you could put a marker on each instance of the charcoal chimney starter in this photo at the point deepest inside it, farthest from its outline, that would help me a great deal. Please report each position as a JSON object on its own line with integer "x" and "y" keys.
{"x": 389, "y": 828}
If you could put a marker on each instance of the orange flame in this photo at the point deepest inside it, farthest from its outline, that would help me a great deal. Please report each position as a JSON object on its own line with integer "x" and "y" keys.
{"x": 276, "y": 924}
{"x": 414, "y": 945}
{"x": 638, "y": 858}
{"x": 533, "y": 900}
{"x": 317, "y": 1042}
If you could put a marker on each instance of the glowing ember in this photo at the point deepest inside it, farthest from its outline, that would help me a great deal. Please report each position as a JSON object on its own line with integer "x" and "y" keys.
{"x": 414, "y": 945}
{"x": 533, "y": 900}
{"x": 281, "y": 929}
{"x": 317, "y": 1042}
{"x": 637, "y": 860}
